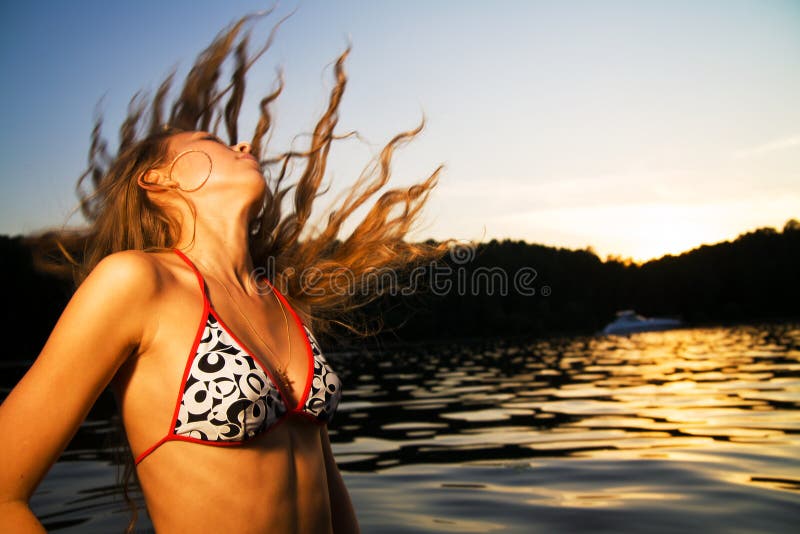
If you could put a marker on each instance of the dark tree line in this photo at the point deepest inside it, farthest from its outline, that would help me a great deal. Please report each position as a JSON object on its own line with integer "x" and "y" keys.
{"x": 752, "y": 278}
{"x": 31, "y": 301}
{"x": 510, "y": 288}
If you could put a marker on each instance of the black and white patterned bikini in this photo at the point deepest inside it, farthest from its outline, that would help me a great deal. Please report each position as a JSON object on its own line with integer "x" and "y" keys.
{"x": 227, "y": 396}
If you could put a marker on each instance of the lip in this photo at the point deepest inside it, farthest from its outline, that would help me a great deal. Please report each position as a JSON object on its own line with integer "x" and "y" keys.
{"x": 249, "y": 156}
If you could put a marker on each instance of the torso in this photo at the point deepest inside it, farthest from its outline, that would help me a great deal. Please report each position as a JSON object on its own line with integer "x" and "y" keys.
{"x": 273, "y": 482}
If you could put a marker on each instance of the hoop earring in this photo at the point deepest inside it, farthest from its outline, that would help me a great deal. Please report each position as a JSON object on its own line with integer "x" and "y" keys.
{"x": 210, "y": 167}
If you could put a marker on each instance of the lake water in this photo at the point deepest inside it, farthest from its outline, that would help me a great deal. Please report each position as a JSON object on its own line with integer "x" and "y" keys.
{"x": 692, "y": 430}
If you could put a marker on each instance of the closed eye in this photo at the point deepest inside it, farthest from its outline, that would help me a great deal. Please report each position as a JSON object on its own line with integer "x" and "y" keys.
{"x": 212, "y": 137}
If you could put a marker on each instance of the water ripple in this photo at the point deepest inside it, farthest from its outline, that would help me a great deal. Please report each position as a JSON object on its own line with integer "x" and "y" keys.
{"x": 692, "y": 430}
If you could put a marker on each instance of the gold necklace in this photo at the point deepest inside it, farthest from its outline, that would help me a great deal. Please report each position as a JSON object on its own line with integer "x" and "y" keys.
{"x": 283, "y": 374}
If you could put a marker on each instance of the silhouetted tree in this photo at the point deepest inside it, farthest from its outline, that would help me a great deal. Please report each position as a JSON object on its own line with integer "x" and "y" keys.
{"x": 753, "y": 277}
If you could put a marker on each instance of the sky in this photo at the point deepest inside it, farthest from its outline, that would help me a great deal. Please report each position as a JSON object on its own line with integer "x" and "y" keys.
{"x": 636, "y": 128}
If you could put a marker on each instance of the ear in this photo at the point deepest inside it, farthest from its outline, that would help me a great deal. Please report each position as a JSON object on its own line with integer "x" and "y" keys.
{"x": 154, "y": 180}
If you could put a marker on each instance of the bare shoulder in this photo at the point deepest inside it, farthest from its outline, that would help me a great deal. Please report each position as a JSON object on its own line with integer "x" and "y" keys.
{"x": 122, "y": 287}
{"x": 130, "y": 265}
{"x": 141, "y": 273}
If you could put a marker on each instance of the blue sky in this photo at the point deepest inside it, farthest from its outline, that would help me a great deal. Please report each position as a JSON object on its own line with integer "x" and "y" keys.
{"x": 639, "y": 128}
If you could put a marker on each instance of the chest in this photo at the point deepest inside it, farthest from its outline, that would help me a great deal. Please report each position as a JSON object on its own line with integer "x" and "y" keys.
{"x": 227, "y": 394}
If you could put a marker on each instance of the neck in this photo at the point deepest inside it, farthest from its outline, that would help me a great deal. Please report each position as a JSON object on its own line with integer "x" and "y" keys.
{"x": 220, "y": 249}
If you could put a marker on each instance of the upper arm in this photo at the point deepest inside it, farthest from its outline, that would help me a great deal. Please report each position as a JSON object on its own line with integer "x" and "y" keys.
{"x": 98, "y": 330}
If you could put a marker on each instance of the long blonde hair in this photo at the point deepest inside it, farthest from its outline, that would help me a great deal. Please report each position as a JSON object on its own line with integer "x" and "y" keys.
{"x": 122, "y": 217}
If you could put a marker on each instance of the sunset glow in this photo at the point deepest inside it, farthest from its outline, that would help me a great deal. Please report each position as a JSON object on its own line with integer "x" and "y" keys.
{"x": 639, "y": 129}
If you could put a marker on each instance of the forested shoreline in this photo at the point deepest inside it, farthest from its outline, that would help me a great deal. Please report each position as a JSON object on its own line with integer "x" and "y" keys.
{"x": 511, "y": 288}
{"x": 751, "y": 278}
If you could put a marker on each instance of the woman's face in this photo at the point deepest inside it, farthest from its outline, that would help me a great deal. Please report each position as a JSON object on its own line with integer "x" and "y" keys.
{"x": 203, "y": 162}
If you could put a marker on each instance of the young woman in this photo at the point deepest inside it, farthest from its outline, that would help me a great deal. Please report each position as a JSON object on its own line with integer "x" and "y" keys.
{"x": 196, "y": 301}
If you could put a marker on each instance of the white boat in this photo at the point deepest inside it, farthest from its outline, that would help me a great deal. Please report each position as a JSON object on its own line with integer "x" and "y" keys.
{"x": 628, "y": 322}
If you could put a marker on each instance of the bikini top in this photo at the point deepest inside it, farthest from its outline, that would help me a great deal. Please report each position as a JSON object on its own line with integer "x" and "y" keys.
{"x": 227, "y": 396}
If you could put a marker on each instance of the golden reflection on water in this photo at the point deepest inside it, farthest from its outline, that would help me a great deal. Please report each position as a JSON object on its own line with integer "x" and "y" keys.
{"x": 578, "y": 397}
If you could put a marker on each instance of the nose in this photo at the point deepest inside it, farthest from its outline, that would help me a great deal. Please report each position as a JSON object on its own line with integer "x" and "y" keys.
{"x": 242, "y": 147}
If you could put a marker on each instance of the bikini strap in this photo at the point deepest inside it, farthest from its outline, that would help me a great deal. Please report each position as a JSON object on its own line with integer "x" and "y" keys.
{"x": 200, "y": 279}
{"x": 204, "y": 286}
